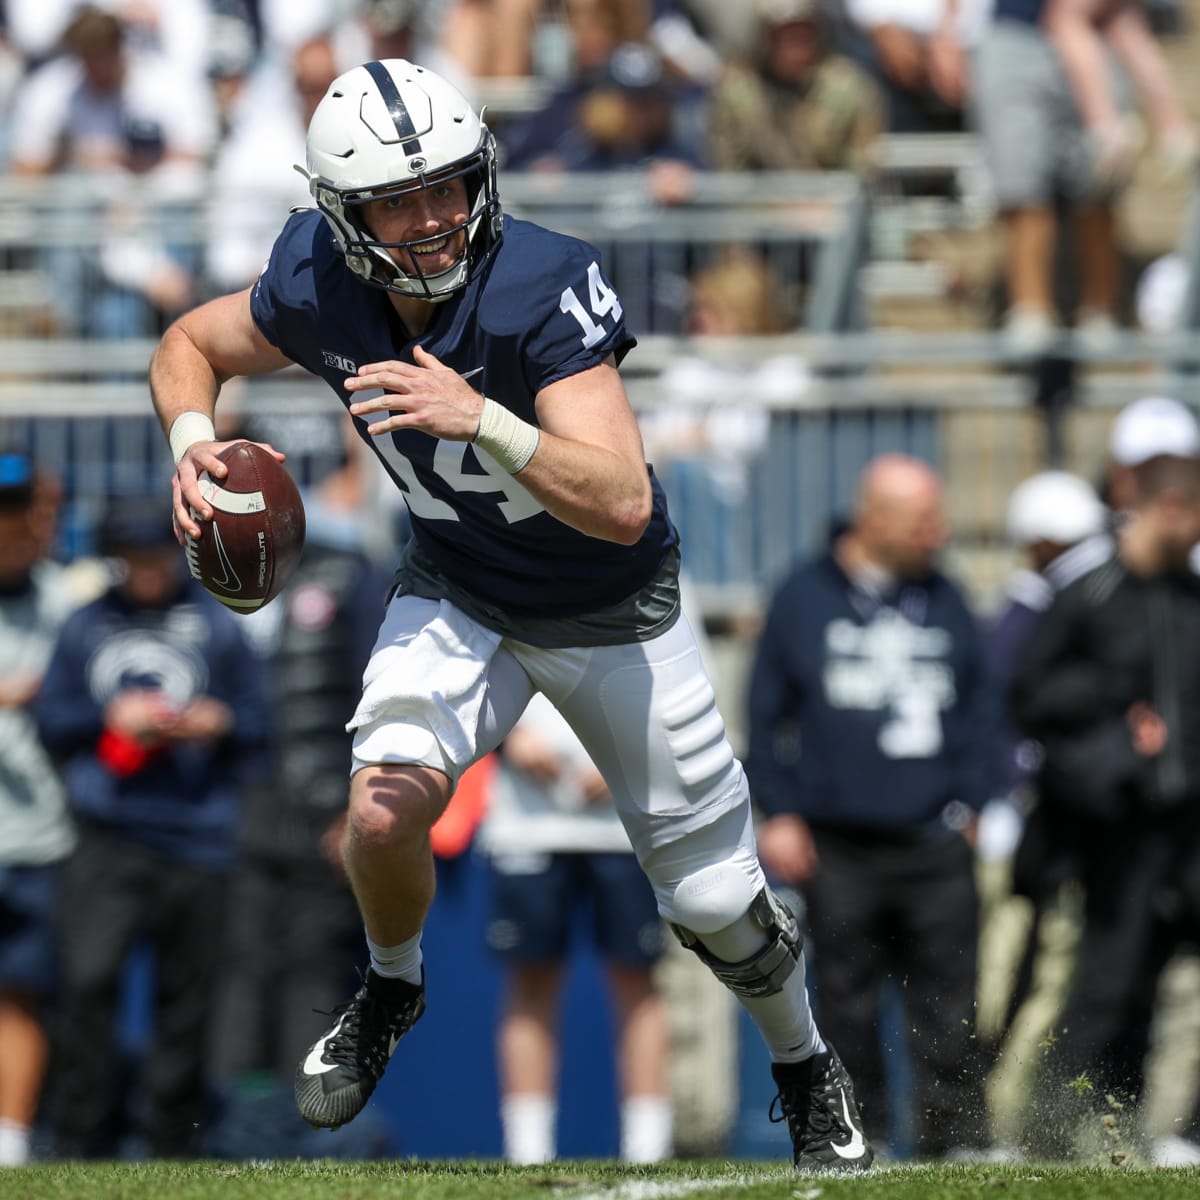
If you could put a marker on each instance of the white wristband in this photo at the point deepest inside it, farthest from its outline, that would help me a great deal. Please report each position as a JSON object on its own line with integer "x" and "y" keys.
{"x": 508, "y": 439}
{"x": 187, "y": 429}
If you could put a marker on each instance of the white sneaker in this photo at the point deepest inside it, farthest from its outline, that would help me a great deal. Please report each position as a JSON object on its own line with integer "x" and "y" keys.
{"x": 1114, "y": 150}
{"x": 1179, "y": 153}
{"x": 1096, "y": 333}
{"x": 1174, "y": 1151}
{"x": 1029, "y": 331}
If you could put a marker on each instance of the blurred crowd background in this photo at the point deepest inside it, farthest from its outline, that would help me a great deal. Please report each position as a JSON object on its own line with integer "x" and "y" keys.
{"x": 848, "y": 234}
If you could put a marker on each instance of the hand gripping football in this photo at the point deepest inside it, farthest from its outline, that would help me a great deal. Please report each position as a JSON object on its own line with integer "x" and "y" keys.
{"x": 248, "y": 551}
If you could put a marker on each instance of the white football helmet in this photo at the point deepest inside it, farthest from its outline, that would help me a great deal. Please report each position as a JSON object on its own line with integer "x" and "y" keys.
{"x": 390, "y": 127}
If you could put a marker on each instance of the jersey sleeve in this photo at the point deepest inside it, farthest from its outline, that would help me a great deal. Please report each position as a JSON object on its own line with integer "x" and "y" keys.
{"x": 584, "y": 321}
{"x": 283, "y": 299}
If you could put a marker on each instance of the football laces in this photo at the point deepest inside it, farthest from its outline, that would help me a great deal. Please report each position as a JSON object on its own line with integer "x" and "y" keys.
{"x": 192, "y": 552}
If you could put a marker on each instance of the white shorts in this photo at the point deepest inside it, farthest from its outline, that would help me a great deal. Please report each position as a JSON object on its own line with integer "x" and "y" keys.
{"x": 441, "y": 691}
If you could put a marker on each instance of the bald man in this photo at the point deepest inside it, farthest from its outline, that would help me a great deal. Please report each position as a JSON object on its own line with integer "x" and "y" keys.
{"x": 872, "y": 735}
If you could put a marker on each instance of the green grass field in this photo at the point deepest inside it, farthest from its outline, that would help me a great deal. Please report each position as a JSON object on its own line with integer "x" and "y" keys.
{"x": 713, "y": 1180}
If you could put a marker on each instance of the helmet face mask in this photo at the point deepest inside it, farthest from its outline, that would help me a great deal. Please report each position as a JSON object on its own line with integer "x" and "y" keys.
{"x": 386, "y": 129}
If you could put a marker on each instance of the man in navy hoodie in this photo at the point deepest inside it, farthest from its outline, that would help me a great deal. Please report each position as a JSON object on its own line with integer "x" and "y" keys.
{"x": 152, "y": 707}
{"x": 871, "y": 727}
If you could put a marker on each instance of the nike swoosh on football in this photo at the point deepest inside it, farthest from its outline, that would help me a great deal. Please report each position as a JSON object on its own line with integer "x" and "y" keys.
{"x": 315, "y": 1063}
{"x": 231, "y": 582}
{"x": 856, "y": 1147}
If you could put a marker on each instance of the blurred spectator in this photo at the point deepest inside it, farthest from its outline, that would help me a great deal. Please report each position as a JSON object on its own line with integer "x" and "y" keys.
{"x": 676, "y": 34}
{"x": 296, "y": 936}
{"x": 1083, "y": 32}
{"x": 233, "y": 57}
{"x": 153, "y": 709}
{"x": 491, "y": 38}
{"x": 12, "y": 68}
{"x": 418, "y": 30}
{"x": 556, "y": 847}
{"x": 35, "y": 830}
{"x": 1058, "y": 523}
{"x": 588, "y": 34}
{"x": 1144, "y": 429}
{"x": 176, "y": 30}
{"x": 547, "y": 38}
{"x": 1043, "y": 180}
{"x": 621, "y": 117}
{"x": 254, "y": 178}
{"x": 1107, "y": 684}
{"x": 917, "y": 51}
{"x": 714, "y": 423}
{"x": 284, "y": 24}
{"x": 115, "y": 115}
{"x": 106, "y": 106}
{"x": 870, "y": 739}
{"x": 731, "y": 29}
{"x": 795, "y": 105}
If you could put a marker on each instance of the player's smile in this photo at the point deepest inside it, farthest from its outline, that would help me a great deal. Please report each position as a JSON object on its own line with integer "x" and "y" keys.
{"x": 436, "y": 255}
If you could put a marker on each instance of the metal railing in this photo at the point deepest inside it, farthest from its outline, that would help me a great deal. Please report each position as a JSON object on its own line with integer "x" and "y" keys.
{"x": 842, "y": 393}
{"x": 62, "y": 242}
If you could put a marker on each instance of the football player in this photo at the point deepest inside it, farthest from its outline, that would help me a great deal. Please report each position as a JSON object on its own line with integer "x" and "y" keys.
{"x": 478, "y": 356}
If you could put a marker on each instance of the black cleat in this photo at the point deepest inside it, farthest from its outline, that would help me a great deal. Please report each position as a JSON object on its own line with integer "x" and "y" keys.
{"x": 817, "y": 1099}
{"x": 340, "y": 1071}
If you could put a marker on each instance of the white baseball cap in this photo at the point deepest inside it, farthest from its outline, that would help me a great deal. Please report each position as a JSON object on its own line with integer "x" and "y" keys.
{"x": 1152, "y": 426}
{"x": 1054, "y": 506}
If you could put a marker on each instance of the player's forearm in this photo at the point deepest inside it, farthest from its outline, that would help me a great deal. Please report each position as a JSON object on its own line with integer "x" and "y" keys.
{"x": 181, "y": 379}
{"x": 204, "y": 348}
{"x": 590, "y": 488}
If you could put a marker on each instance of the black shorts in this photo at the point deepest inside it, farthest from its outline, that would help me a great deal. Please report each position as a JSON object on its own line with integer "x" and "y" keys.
{"x": 27, "y": 934}
{"x": 537, "y": 899}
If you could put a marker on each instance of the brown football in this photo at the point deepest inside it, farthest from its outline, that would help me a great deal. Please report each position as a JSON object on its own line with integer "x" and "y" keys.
{"x": 253, "y": 543}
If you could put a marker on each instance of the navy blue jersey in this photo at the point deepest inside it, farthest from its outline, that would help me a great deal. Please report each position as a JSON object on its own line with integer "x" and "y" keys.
{"x": 541, "y": 311}
{"x": 867, "y": 712}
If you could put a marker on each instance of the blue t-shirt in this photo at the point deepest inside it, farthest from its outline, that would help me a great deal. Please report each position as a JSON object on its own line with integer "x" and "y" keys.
{"x": 540, "y": 311}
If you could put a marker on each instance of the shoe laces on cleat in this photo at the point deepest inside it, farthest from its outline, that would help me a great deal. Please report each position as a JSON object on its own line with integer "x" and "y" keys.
{"x": 806, "y": 1112}
{"x": 821, "y": 1113}
{"x": 371, "y": 1026}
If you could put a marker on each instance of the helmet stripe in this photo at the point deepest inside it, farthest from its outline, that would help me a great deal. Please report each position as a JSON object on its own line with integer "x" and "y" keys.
{"x": 397, "y": 109}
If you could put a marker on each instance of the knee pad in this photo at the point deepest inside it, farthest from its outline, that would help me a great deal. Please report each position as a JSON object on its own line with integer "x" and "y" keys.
{"x": 766, "y": 920}
{"x": 712, "y": 898}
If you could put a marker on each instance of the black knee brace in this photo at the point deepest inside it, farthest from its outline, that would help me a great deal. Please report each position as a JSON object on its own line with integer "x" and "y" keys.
{"x": 764, "y": 973}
